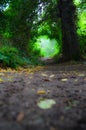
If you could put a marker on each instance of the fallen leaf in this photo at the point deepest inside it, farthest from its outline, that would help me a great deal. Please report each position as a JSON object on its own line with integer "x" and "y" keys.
{"x": 1, "y": 80}
{"x": 46, "y": 79}
{"x": 65, "y": 79}
{"x": 41, "y": 92}
{"x": 43, "y": 74}
{"x": 81, "y": 74}
{"x": 46, "y": 103}
{"x": 76, "y": 80}
{"x": 20, "y": 116}
{"x": 51, "y": 76}
{"x": 2, "y": 74}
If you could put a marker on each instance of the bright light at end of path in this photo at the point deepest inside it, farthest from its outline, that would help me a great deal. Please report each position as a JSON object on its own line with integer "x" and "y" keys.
{"x": 48, "y": 47}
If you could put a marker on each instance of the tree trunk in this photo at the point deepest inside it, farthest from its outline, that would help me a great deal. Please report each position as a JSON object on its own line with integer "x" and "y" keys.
{"x": 71, "y": 49}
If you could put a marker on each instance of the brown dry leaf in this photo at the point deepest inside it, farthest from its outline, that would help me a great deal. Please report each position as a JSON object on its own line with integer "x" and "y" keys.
{"x": 41, "y": 92}
{"x": 30, "y": 69}
{"x": 20, "y": 116}
{"x": 27, "y": 70}
{"x": 33, "y": 69}
{"x": 46, "y": 79}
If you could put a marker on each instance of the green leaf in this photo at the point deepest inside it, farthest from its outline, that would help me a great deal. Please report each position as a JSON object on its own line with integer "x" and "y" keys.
{"x": 46, "y": 103}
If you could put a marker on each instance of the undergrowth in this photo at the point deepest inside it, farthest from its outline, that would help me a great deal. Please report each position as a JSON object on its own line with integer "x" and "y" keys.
{"x": 11, "y": 57}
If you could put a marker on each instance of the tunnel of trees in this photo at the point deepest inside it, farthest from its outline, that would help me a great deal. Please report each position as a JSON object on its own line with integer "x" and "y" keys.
{"x": 23, "y": 22}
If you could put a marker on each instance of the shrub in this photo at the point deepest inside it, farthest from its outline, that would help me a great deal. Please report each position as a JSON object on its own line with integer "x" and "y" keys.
{"x": 10, "y": 57}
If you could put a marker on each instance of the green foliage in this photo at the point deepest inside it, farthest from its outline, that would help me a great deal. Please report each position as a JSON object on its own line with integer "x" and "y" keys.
{"x": 77, "y": 2}
{"x": 10, "y": 57}
{"x": 23, "y": 21}
{"x": 33, "y": 52}
{"x": 20, "y": 15}
{"x": 82, "y": 23}
{"x": 81, "y": 26}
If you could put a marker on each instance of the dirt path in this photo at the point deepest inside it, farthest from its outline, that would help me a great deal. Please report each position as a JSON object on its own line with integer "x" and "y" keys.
{"x": 21, "y": 91}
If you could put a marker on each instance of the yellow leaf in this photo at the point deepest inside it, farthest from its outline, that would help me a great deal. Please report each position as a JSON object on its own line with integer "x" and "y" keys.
{"x": 41, "y": 92}
{"x": 1, "y": 80}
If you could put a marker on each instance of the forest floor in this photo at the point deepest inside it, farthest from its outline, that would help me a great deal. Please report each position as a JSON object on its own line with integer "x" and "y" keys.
{"x": 22, "y": 91}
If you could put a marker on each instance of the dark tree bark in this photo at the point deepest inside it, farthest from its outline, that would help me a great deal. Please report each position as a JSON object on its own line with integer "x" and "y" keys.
{"x": 71, "y": 49}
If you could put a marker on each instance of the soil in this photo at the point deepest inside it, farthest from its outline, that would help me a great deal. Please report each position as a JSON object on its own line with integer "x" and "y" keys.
{"x": 20, "y": 91}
